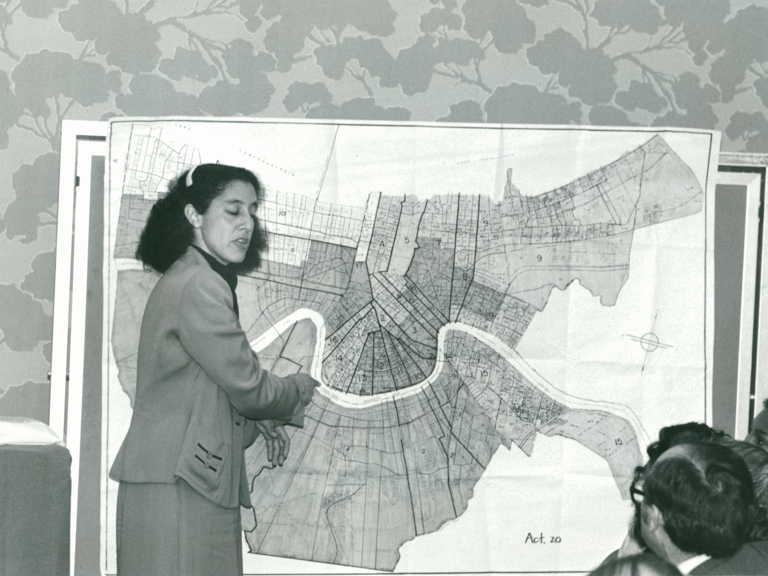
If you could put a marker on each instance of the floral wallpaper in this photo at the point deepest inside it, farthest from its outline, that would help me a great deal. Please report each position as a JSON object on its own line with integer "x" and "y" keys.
{"x": 691, "y": 63}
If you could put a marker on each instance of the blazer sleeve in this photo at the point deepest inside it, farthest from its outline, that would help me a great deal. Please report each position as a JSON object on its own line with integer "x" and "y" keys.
{"x": 211, "y": 334}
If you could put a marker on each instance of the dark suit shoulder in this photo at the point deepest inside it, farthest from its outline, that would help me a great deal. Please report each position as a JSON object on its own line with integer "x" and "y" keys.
{"x": 750, "y": 560}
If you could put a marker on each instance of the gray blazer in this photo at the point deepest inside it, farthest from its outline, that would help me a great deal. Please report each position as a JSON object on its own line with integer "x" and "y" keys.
{"x": 198, "y": 388}
{"x": 750, "y": 560}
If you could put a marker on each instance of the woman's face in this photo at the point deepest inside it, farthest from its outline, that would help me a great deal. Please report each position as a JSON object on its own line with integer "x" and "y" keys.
{"x": 224, "y": 231}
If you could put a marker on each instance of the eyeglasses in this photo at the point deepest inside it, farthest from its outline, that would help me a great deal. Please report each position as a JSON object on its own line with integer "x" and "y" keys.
{"x": 637, "y": 495}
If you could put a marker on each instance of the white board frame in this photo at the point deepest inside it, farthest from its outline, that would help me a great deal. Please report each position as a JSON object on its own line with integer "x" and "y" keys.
{"x": 263, "y": 564}
{"x": 751, "y": 394}
{"x": 78, "y": 147}
{"x": 751, "y": 181}
{"x": 80, "y": 142}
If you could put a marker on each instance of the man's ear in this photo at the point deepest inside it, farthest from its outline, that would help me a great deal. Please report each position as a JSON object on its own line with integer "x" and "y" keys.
{"x": 652, "y": 517}
{"x": 192, "y": 215}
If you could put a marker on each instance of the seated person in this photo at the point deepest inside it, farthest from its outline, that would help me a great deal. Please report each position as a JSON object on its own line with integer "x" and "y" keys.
{"x": 697, "y": 506}
{"x": 689, "y": 432}
{"x": 756, "y": 460}
{"x": 692, "y": 432}
{"x": 758, "y": 435}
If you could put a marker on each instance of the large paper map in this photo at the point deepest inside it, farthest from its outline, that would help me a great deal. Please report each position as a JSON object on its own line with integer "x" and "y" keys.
{"x": 411, "y": 269}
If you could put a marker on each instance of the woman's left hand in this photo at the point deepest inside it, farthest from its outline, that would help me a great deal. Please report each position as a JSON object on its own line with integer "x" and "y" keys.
{"x": 278, "y": 443}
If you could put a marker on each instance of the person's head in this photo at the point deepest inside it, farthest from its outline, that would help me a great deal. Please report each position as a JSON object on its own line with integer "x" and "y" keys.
{"x": 756, "y": 460}
{"x": 688, "y": 433}
{"x": 757, "y": 463}
{"x": 636, "y": 565}
{"x": 212, "y": 206}
{"x": 669, "y": 436}
{"x": 697, "y": 499}
{"x": 758, "y": 435}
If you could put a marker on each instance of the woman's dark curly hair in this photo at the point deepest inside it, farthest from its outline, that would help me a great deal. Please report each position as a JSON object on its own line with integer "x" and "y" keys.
{"x": 168, "y": 233}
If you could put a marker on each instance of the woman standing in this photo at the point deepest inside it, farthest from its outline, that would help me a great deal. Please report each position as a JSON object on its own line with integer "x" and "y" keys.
{"x": 199, "y": 386}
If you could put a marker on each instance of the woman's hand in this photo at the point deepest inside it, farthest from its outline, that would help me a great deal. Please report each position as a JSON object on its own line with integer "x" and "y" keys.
{"x": 306, "y": 385}
{"x": 276, "y": 438}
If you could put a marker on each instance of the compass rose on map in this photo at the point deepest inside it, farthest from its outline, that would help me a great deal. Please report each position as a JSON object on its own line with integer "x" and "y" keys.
{"x": 649, "y": 341}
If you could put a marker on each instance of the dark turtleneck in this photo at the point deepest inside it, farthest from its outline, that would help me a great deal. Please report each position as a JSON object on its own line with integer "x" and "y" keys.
{"x": 229, "y": 275}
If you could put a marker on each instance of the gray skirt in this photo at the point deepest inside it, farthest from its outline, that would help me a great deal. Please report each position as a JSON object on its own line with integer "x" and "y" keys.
{"x": 170, "y": 529}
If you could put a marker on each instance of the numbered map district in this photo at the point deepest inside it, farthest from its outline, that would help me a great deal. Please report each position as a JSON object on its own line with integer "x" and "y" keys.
{"x": 415, "y": 307}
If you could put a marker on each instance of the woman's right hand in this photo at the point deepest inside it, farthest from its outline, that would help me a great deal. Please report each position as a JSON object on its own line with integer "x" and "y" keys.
{"x": 276, "y": 439}
{"x": 306, "y": 385}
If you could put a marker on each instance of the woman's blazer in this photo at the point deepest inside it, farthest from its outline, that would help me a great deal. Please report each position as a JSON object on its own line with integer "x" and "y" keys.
{"x": 197, "y": 384}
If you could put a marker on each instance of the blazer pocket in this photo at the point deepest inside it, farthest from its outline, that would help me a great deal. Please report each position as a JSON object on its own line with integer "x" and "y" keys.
{"x": 203, "y": 459}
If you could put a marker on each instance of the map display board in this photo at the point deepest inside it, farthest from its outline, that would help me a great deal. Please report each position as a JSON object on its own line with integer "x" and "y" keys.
{"x": 502, "y": 318}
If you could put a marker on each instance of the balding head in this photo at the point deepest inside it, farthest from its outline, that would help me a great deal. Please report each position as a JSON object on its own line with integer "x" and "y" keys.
{"x": 703, "y": 498}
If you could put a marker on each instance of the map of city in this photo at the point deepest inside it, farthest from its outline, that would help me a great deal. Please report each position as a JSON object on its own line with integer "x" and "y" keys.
{"x": 409, "y": 308}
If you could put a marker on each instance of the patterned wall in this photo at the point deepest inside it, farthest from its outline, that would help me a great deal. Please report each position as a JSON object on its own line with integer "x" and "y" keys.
{"x": 692, "y": 63}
